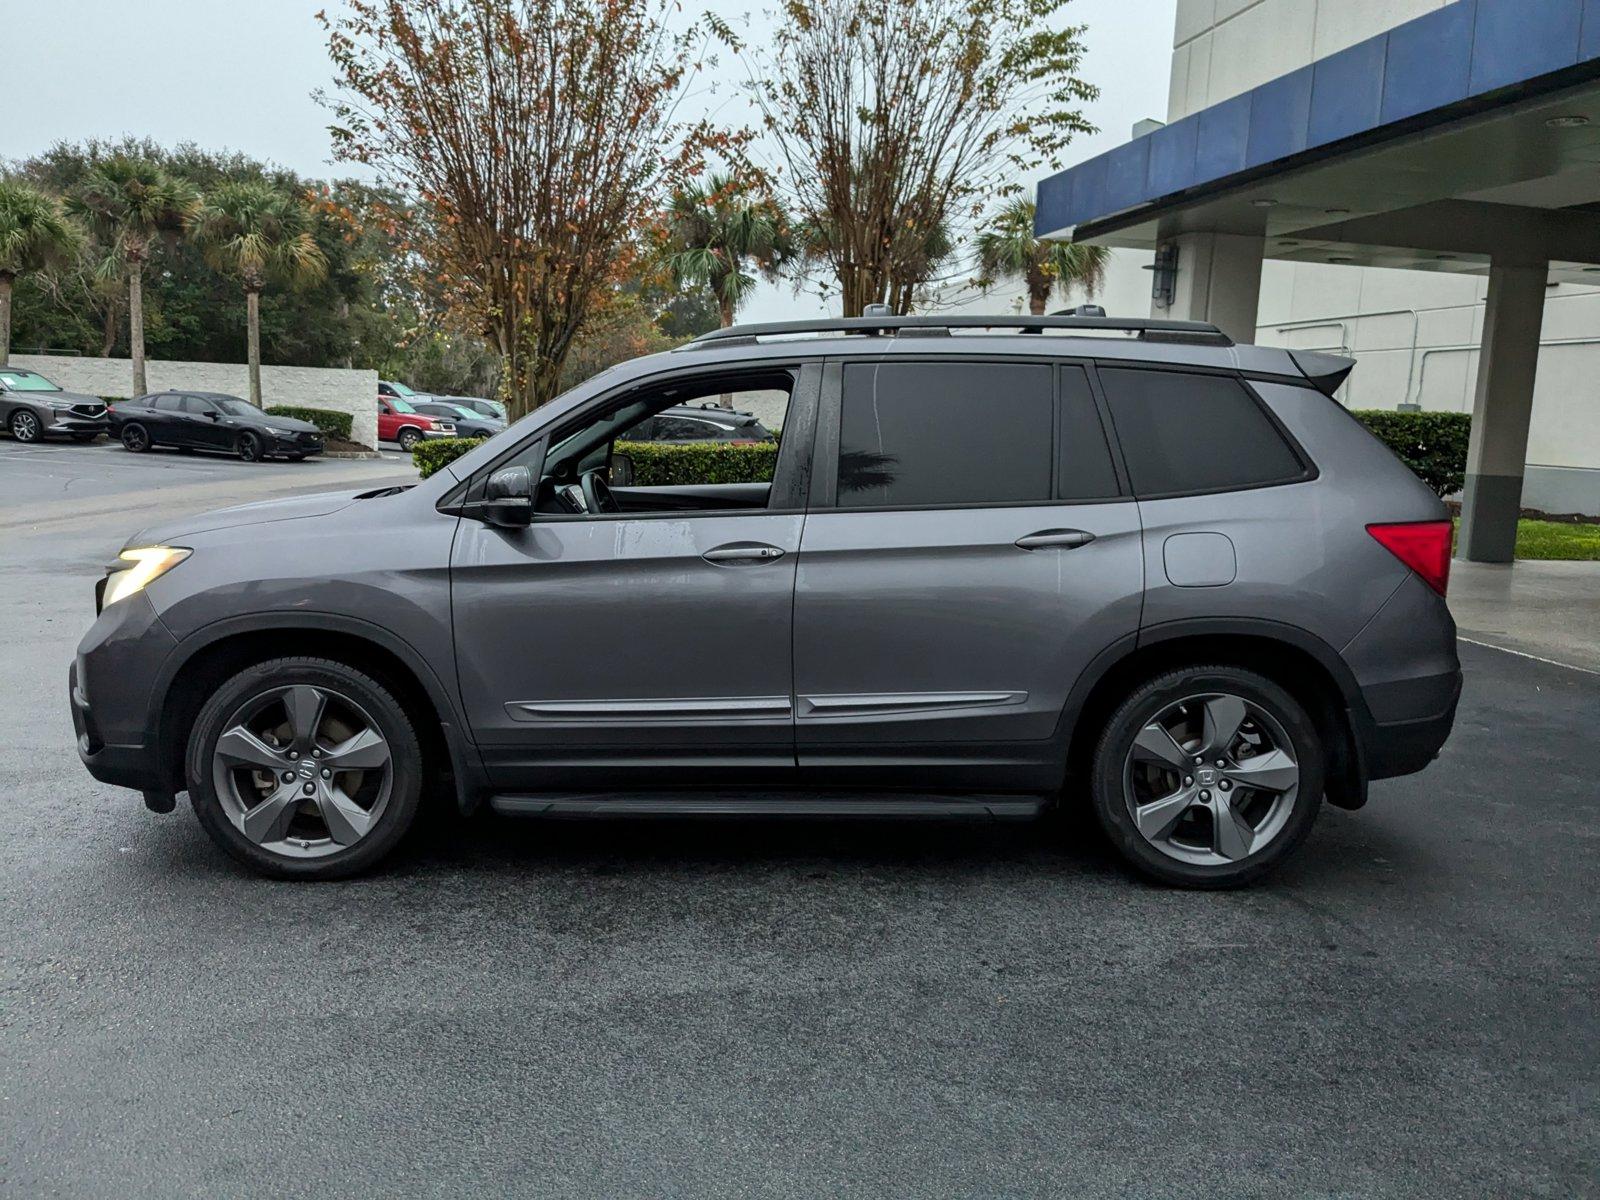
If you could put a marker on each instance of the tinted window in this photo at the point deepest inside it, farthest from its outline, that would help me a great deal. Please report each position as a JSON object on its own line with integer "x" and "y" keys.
{"x": 198, "y": 405}
{"x": 1083, "y": 461}
{"x": 945, "y": 433}
{"x": 1194, "y": 433}
{"x": 168, "y": 403}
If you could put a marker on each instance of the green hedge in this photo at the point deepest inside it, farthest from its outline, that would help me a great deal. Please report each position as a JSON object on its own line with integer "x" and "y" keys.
{"x": 657, "y": 465}
{"x": 654, "y": 465}
{"x": 430, "y": 455}
{"x": 1433, "y": 444}
{"x": 333, "y": 424}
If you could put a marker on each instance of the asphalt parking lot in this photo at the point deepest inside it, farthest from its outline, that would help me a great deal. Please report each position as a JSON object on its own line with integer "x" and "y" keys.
{"x": 778, "y": 1009}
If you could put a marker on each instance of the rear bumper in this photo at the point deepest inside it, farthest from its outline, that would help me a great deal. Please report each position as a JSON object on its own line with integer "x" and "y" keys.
{"x": 1392, "y": 748}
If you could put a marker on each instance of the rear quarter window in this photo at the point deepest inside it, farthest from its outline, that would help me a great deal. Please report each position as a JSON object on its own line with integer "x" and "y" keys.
{"x": 1183, "y": 433}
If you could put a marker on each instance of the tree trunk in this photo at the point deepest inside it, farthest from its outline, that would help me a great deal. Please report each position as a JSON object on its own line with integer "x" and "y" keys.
{"x": 726, "y": 305}
{"x": 108, "y": 328}
{"x": 5, "y": 316}
{"x": 252, "y": 308}
{"x": 136, "y": 325}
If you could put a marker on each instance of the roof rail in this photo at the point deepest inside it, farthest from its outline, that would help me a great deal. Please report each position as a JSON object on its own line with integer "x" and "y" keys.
{"x": 1154, "y": 331}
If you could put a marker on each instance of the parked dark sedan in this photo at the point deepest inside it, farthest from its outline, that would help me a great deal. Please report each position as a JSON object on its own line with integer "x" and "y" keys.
{"x": 211, "y": 421}
{"x": 469, "y": 422}
{"x": 32, "y": 409}
{"x": 683, "y": 423}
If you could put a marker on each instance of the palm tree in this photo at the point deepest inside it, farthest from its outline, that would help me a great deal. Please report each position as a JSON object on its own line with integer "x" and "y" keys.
{"x": 130, "y": 203}
{"x": 716, "y": 230}
{"x": 35, "y": 235}
{"x": 260, "y": 235}
{"x": 1009, "y": 248}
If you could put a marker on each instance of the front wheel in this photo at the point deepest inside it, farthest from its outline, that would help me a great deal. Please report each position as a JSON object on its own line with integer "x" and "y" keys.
{"x": 1208, "y": 777}
{"x": 304, "y": 768}
{"x": 25, "y": 426}
{"x": 408, "y": 440}
{"x": 248, "y": 447}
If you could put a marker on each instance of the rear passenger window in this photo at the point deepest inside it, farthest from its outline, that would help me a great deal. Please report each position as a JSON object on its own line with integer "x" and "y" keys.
{"x": 1194, "y": 433}
{"x": 945, "y": 434}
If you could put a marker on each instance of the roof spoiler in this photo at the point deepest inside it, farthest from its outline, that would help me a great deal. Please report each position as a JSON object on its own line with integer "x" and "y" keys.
{"x": 1327, "y": 372}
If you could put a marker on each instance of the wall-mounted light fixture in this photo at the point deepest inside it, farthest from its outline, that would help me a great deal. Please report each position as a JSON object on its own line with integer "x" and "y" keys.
{"x": 1164, "y": 279}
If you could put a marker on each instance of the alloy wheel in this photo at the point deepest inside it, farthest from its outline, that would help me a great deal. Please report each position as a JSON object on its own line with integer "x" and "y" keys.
{"x": 249, "y": 447}
{"x": 303, "y": 771}
{"x": 135, "y": 438}
{"x": 24, "y": 426}
{"x": 1211, "y": 779}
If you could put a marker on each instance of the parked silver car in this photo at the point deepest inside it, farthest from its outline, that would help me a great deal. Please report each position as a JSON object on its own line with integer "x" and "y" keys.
{"x": 1001, "y": 565}
{"x": 32, "y": 408}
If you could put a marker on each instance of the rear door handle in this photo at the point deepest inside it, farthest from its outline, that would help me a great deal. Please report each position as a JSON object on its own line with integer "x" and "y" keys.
{"x": 1059, "y": 539}
{"x": 743, "y": 552}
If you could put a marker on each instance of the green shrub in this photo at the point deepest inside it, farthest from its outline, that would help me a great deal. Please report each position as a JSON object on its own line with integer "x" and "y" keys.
{"x": 1433, "y": 444}
{"x": 657, "y": 465}
{"x": 430, "y": 455}
{"x": 333, "y": 424}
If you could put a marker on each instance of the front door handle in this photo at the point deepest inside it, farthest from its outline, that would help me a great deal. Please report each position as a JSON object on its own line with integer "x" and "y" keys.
{"x": 1059, "y": 539}
{"x": 743, "y": 552}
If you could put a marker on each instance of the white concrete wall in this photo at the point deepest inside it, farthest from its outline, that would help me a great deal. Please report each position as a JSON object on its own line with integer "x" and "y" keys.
{"x": 1224, "y": 47}
{"x": 354, "y": 392}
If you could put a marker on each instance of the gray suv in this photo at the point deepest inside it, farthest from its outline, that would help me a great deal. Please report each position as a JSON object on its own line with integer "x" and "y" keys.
{"x": 996, "y": 565}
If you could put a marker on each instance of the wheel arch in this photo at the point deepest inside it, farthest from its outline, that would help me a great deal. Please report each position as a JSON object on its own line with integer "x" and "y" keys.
{"x": 1296, "y": 659}
{"x": 220, "y": 650}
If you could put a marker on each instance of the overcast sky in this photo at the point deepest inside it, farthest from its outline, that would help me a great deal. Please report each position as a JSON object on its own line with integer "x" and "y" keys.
{"x": 239, "y": 74}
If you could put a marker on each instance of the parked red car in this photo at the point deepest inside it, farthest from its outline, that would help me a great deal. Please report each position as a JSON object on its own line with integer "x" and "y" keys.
{"x": 399, "y": 422}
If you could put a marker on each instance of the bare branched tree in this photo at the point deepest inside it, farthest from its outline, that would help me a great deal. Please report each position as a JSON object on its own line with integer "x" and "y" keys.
{"x": 898, "y": 121}
{"x": 537, "y": 135}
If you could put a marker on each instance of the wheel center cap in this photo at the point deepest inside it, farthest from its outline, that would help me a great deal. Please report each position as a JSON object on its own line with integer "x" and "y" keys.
{"x": 1206, "y": 776}
{"x": 308, "y": 769}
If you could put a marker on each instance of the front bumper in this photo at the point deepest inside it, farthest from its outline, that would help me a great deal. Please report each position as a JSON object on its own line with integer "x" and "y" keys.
{"x": 109, "y": 686}
{"x": 66, "y": 423}
{"x": 440, "y": 433}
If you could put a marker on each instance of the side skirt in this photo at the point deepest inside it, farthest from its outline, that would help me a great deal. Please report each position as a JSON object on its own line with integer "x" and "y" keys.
{"x": 825, "y": 805}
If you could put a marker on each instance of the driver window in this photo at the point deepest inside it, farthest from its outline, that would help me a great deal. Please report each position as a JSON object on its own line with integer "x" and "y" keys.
{"x": 708, "y": 443}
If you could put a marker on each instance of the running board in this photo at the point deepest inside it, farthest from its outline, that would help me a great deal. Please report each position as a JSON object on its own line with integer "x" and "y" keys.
{"x": 872, "y": 806}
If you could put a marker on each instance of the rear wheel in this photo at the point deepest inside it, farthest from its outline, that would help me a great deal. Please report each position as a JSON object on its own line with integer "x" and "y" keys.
{"x": 408, "y": 439}
{"x": 135, "y": 437}
{"x": 248, "y": 447}
{"x": 305, "y": 768}
{"x": 1208, "y": 777}
{"x": 25, "y": 426}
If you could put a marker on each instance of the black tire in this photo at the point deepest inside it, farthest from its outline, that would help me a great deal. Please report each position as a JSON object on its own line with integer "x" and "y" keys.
{"x": 248, "y": 447}
{"x": 408, "y": 439}
{"x": 83, "y": 439}
{"x": 1107, "y": 777}
{"x": 135, "y": 438}
{"x": 393, "y": 722}
{"x": 26, "y": 426}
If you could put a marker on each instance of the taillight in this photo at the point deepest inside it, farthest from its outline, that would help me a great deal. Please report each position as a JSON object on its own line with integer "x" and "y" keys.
{"x": 1424, "y": 546}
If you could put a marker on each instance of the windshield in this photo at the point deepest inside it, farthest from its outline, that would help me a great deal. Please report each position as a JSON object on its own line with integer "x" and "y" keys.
{"x": 402, "y": 389}
{"x": 236, "y": 408}
{"x": 26, "y": 381}
{"x": 400, "y": 405}
{"x": 462, "y": 410}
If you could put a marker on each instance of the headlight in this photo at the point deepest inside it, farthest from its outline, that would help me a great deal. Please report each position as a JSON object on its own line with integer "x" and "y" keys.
{"x": 145, "y": 564}
{"x": 59, "y": 405}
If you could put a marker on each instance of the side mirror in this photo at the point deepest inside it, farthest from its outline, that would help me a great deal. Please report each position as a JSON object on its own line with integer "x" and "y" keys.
{"x": 620, "y": 470}
{"x": 213, "y": 414}
{"x": 507, "y": 499}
